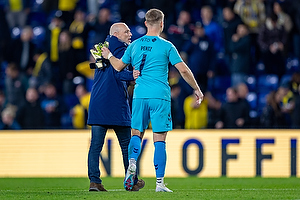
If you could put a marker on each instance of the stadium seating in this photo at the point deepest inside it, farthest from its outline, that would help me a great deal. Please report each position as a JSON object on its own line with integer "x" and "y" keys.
{"x": 251, "y": 82}
{"x": 262, "y": 101}
{"x": 39, "y": 34}
{"x": 221, "y": 97}
{"x": 71, "y": 100}
{"x": 220, "y": 84}
{"x": 137, "y": 31}
{"x": 285, "y": 79}
{"x": 252, "y": 99}
{"x": 292, "y": 65}
{"x": 2, "y": 74}
{"x": 267, "y": 83}
{"x": 37, "y": 19}
{"x": 15, "y": 33}
{"x": 66, "y": 121}
{"x": 140, "y": 16}
{"x": 260, "y": 69}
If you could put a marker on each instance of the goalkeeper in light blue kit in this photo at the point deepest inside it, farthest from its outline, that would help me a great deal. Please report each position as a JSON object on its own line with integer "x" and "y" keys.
{"x": 150, "y": 55}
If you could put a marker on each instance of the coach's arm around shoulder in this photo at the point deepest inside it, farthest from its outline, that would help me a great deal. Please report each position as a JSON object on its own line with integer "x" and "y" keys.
{"x": 115, "y": 62}
{"x": 188, "y": 76}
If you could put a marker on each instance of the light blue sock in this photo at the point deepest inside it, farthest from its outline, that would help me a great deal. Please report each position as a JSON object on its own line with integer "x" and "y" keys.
{"x": 160, "y": 158}
{"x": 134, "y": 148}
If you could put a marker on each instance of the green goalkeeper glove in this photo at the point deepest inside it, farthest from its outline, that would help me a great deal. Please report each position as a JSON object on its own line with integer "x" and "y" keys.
{"x": 97, "y": 54}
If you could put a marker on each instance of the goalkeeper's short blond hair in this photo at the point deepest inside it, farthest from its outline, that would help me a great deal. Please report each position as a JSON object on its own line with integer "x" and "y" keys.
{"x": 154, "y": 16}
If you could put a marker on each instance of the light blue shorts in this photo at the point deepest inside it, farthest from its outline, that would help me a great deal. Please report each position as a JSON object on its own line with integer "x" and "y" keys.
{"x": 158, "y": 111}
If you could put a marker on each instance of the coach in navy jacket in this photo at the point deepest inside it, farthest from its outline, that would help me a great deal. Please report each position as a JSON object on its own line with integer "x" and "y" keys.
{"x": 109, "y": 97}
{"x": 109, "y": 107}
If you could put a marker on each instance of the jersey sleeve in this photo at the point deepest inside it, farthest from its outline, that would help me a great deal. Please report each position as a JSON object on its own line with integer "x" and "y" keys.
{"x": 174, "y": 56}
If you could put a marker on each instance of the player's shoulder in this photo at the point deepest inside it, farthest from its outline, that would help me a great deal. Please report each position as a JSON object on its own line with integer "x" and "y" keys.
{"x": 166, "y": 42}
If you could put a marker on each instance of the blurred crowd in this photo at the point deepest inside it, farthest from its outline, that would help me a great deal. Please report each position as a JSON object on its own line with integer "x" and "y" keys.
{"x": 244, "y": 55}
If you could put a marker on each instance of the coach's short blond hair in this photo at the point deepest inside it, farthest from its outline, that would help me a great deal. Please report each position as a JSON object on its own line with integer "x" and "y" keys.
{"x": 154, "y": 16}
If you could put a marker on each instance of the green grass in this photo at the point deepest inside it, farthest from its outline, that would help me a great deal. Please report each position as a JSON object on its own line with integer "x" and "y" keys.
{"x": 184, "y": 188}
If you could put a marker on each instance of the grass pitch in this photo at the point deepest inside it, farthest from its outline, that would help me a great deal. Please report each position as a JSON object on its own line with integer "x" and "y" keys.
{"x": 184, "y": 188}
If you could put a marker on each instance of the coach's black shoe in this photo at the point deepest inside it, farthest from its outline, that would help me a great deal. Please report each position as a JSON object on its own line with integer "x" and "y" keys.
{"x": 97, "y": 187}
{"x": 139, "y": 185}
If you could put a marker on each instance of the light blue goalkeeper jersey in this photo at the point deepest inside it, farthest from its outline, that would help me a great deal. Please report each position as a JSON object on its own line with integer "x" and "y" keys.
{"x": 151, "y": 56}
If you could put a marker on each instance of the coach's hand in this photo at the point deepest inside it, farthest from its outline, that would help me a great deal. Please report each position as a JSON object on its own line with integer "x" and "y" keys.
{"x": 136, "y": 73}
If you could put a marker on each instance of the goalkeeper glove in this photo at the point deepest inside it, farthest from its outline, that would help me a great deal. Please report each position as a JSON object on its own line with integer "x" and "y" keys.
{"x": 97, "y": 54}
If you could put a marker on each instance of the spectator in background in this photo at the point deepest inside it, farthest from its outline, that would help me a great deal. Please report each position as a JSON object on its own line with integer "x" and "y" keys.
{"x": 201, "y": 56}
{"x": 243, "y": 91}
{"x": 100, "y": 25}
{"x": 230, "y": 24}
{"x": 284, "y": 20}
{"x": 42, "y": 71}
{"x": 272, "y": 115}
{"x": 21, "y": 51}
{"x": 68, "y": 8}
{"x": 214, "y": 107}
{"x": 67, "y": 62}
{"x": 296, "y": 111}
{"x": 2, "y": 100}
{"x": 51, "y": 39}
{"x": 53, "y": 107}
{"x": 8, "y": 121}
{"x": 294, "y": 83}
{"x": 295, "y": 14}
{"x": 229, "y": 119}
{"x": 79, "y": 112}
{"x": 287, "y": 103}
{"x": 253, "y": 14}
{"x": 196, "y": 116}
{"x": 17, "y": 13}
{"x": 212, "y": 29}
{"x": 16, "y": 85}
{"x": 31, "y": 116}
{"x": 92, "y": 7}
{"x": 79, "y": 34}
{"x": 239, "y": 47}
{"x": 182, "y": 31}
{"x": 272, "y": 39}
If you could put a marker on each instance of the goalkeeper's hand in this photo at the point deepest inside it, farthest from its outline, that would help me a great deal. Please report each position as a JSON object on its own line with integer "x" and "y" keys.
{"x": 97, "y": 54}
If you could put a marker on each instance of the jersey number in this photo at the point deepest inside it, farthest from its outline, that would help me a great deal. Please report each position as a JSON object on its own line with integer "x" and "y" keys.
{"x": 142, "y": 63}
